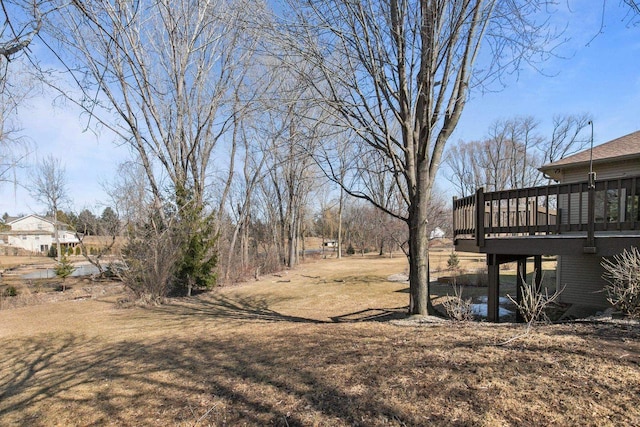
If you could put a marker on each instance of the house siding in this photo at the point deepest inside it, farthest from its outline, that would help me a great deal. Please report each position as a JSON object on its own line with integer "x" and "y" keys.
{"x": 615, "y": 170}
{"x": 31, "y": 223}
{"x": 36, "y": 234}
{"x": 32, "y": 243}
{"x": 581, "y": 274}
{"x": 573, "y": 209}
{"x": 581, "y": 277}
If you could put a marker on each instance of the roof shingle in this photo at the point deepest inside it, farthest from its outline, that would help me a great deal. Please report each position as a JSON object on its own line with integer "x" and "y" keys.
{"x": 627, "y": 146}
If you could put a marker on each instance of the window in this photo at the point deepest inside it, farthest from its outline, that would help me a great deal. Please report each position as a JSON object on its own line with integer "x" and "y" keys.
{"x": 633, "y": 211}
{"x": 607, "y": 206}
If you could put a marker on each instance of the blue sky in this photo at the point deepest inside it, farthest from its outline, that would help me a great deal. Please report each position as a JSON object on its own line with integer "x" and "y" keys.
{"x": 598, "y": 75}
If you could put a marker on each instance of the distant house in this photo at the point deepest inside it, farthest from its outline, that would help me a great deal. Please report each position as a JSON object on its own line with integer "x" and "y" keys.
{"x": 436, "y": 233}
{"x": 36, "y": 234}
{"x": 330, "y": 244}
{"x": 579, "y": 219}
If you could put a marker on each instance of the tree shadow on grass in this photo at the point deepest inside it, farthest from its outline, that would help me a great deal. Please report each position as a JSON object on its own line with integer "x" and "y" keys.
{"x": 373, "y": 315}
{"x": 282, "y": 375}
{"x": 242, "y": 308}
{"x": 223, "y": 381}
{"x": 234, "y": 308}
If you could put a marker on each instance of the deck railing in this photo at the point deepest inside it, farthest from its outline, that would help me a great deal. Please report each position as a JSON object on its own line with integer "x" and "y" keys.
{"x": 607, "y": 205}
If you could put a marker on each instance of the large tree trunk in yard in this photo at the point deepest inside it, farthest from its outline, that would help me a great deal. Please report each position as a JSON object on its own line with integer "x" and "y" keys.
{"x": 419, "y": 300}
{"x": 398, "y": 78}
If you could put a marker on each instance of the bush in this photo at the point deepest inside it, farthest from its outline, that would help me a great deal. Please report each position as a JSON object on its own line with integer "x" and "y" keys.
{"x": 623, "y": 281}
{"x": 53, "y": 252}
{"x": 11, "y": 291}
{"x": 458, "y": 308}
{"x": 453, "y": 263}
{"x": 534, "y": 302}
{"x": 78, "y": 251}
{"x": 149, "y": 264}
{"x": 351, "y": 250}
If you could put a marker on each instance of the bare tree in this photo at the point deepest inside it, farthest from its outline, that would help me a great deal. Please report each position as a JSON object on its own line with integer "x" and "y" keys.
{"x": 398, "y": 73}
{"x": 294, "y": 132}
{"x": 241, "y": 198}
{"x": 291, "y": 177}
{"x": 129, "y": 194}
{"x": 340, "y": 161}
{"x": 21, "y": 22}
{"x": 467, "y": 170}
{"x": 49, "y": 187}
{"x": 568, "y": 136}
{"x": 105, "y": 231}
{"x": 164, "y": 77}
{"x": 509, "y": 157}
{"x": 325, "y": 218}
{"x": 14, "y": 148}
{"x": 512, "y": 153}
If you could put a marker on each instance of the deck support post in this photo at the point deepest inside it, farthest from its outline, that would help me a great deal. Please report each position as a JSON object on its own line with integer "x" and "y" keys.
{"x": 493, "y": 297}
{"x": 521, "y": 274}
{"x": 479, "y": 217}
{"x": 537, "y": 266}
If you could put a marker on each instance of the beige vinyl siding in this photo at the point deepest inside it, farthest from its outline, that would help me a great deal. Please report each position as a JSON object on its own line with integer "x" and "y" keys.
{"x": 572, "y": 211}
{"x": 609, "y": 206}
{"x": 612, "y": 170}
{"x": 581, "y": 275}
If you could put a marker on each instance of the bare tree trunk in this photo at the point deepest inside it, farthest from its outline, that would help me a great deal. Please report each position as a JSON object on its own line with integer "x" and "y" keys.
{"x": 56, "y": 233}
{"x": 292, "y": 258}
{"x": 230, "y": 254}
{"x": 398, "y": 76}
{"x": 244, "y": 243}
{"x": 340, "y": 204}
{"x": 419, "y": 301}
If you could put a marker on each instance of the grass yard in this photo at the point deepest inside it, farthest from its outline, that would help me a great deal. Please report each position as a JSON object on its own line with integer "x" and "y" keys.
{"x": 326, "y": 344}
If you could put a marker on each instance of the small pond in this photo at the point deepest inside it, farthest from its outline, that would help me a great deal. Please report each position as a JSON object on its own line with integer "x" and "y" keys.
{"x": 49, "y": 273}
{"x": 480, "y": 309}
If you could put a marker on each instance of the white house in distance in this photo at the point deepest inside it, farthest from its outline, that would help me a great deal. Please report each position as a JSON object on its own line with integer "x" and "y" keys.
{"x": 36, "y": 234}
{"x": 437, "y": 233}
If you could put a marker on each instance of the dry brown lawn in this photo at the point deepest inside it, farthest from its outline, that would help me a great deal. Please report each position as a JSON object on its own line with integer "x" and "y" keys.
{"x": 7, "y": 262}
{"x": 319, "y": 345}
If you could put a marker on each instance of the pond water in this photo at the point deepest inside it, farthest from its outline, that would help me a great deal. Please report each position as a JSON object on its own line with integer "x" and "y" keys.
{"x": 481, "y": 310}
{"x": 49, "y": 273}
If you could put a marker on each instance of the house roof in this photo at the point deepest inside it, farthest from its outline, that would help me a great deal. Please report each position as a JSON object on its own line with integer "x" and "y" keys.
{"x": 13, "y": 220}
{"x": 625, "y": 147}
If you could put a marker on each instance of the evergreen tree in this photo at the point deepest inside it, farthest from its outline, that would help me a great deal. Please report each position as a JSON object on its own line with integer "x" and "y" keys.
{"x": 198, "y": 259}
{"x": 64, "y": 269}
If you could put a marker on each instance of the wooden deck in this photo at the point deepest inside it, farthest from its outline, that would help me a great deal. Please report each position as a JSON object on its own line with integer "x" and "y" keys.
{"x": 600, "y": 218}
